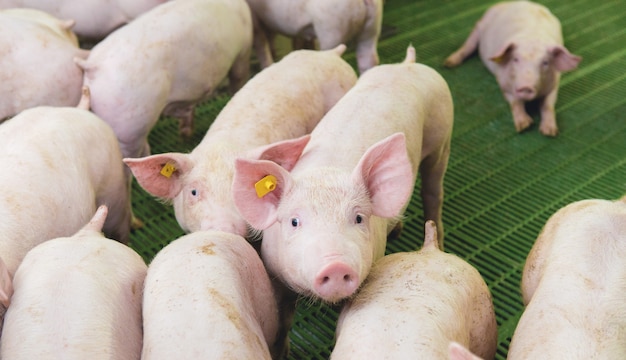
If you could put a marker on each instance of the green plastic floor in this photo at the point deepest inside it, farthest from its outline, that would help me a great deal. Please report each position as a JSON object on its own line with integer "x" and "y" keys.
{"x": 500, "y": 186}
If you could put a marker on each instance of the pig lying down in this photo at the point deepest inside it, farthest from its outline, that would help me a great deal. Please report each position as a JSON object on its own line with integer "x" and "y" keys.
{"x": 136, "y": 73}
{"x": 325, "y": 222}
{"x": 574, "y": 286}
{"x": 208, "y": 296}
{"x": 521, "y": 43}
{"x": 61, "y": 163}
{"x": 36, "y": 66}
{"x": 281, "y": 102}
{"x": 94, "y": 19}
{"x": 413, "y": 304}
{"x": 76, "y": 298}
{"x": 329, "y": 21}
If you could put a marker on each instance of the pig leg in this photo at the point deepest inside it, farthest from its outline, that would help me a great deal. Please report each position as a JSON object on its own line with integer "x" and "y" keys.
{"x": 239, "y": 72}
{"x": 366, "y": 53}
{"x": 432, "y": 170}
{"x": 548, "y": 125}
{"x": 520, "y": 117}
{"x": 261, "y": 44}
{"x": 469, "y": 46}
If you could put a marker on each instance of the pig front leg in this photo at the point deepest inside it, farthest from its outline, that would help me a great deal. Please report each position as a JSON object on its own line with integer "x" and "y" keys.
{"x": 469, "y": 46}
{"x": 548, "y": 125}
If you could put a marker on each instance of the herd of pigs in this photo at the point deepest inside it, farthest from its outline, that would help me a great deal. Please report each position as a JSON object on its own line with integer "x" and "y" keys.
{"x": 307, "y": 159}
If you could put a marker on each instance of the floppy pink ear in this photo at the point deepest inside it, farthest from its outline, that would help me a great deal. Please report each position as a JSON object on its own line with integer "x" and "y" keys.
{"x": 502, "y": 55}
{"x": 285, "y": 153}
{"x": 563, "y": 59}
{"x": 386, "y": 170}
{"x": 160, "y": 174}
{"x": 259, "y": 209}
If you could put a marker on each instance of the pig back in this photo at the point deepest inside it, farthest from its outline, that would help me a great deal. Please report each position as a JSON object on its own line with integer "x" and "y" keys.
{"x": 64, "y": 160}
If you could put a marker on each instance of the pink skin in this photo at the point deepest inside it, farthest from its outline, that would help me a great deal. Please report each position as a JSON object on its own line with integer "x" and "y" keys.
{"x": 207, "y": 295}
{"x": 53, "y": 167}
{"x": 329, "y": 22}
{"x": 62, "y": 281}
{"x": 417, "y": 303}
{"x": 573, "y": 285}
{"x": 327, "y": 220}
{"x": 94, "y": 19}
{"x": 521, "y": 44}
{"x": 281, "y": 102}
{"x": 37, "y": 61}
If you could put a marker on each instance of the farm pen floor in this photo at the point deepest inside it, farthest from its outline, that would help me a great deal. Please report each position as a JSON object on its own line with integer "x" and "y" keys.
{"x": 501, "y": 186}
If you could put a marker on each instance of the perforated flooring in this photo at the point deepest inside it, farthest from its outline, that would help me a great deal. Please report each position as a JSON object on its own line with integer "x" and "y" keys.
{"x": 500, "y": 186}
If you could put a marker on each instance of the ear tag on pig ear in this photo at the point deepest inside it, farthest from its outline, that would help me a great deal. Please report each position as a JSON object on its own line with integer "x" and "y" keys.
{"x": 265, "y": 185}
{"x": 167, "y": 170}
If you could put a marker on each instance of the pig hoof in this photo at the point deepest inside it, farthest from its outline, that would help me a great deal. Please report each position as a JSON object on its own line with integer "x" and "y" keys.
{"x": 551, "y": 131}
{"x": 523, "y": 124}
{"x": 452, "y": 61}
{"x": 136, "y": 223}
{"x": 395, "y": 232}
{"x": 185, "y": 132}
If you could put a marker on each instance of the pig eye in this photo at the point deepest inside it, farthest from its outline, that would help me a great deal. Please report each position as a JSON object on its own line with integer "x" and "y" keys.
{"x": 194, "y": 192}
{"x": 295, "y": 222}
{"x": 359, "y": 219}
{"x": 544, "y": 63}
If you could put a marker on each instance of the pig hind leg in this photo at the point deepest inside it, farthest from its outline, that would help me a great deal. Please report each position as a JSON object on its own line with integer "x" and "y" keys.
{"x": 239, "y": 72}
{"x": 262, "y": 43}
{"x": 469, "y": 46}
{"x": 432, "y": 171}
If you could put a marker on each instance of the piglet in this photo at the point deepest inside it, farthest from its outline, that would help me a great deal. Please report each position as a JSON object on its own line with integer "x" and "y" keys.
{"x": 77, "y": 298}
{"x": 95, "y": 19}
{"x": 329, "y": 21}
{"x": 521, "y": 43}
{"x": 36, "y": 66}
{"x": 59, "y": 164}
{"x": 326, "y": 222}
{"x": 281, "y": 102}
{"x": 574, "y": 286}
{"x": 208, "y": 296}
{"x": 166, "y": 61}
{"x": 413, "y": 304}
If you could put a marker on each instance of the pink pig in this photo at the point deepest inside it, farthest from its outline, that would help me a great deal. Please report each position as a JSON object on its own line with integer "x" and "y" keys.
{"x": 36, "y": 66}
{"x": 94, "y": 19}
{"x": 326, "y": 222}
{"x": 77, "y": 298}
{"x": 419, "y": 301}
{"x": 521, "y": 43}
{"x": 574, "y": 286}
{"x": 166, "y": 61}
{"x": 208, "y": 296}
{"x": 281, "y": 102}
{"x": 331, "y": 22}
{"x": 60, "y": 164}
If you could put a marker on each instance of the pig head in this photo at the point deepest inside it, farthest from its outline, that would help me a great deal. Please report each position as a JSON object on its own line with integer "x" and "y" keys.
{"x": 323, "y": 227}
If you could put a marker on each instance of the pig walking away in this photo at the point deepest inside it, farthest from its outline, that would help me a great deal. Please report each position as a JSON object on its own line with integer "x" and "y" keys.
{"x": 281, "y": 102}
{"x": 36, "y": 66}
{"x": 208, "y": 296}
{"x": 521, "y": 43}
{"x": 413, "y": 304}
{"x": 166, "y": 61}
{"x": 327, "y": 221}
{"x": 329, "y": 21}
{"x": 574, "y": 286}
{"x": 60, "y": 164}
{"x": 77, "y": 298}
{"x": 94, "y": 19}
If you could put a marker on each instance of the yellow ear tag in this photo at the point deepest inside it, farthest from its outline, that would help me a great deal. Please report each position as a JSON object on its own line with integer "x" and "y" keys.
{"x": 167, "y": 170}
{"x": 265, "y": 185}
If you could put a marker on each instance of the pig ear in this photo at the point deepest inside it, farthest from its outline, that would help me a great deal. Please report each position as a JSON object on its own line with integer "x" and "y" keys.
{"x": 259, "y": 208}
{"x": 386, "y": 170}
{"x": 6, "y": 285}
{"x": 563, "y": 59}
{"x": 160, "y": 174}
{"x": 502, "y": 55}
{"x": 459, "y": 352}
{"x": 285, "y": 153}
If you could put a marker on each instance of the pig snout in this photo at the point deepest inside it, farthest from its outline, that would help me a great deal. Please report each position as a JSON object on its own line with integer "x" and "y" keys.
{"x": 525, "y": 92}
{"x": 336, "y": 281}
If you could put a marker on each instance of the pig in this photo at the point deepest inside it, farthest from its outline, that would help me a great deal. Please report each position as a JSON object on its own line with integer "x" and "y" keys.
{"x": 574, "y": 286}
{"x": 36, "y": 63}
{"x": 281, "y": 102}
{"x": 76, "y": 297}
{"x": 94, "y": 19}
{"x": 331, "y": 22}
{"x": 413, "y": 304}
{"x": 521, "y": 43}
{"x": 208, "y": 296}
{"x": 198, "y": 44}
{"x": 327, "y": 220}
{"x": 60, "y": 164}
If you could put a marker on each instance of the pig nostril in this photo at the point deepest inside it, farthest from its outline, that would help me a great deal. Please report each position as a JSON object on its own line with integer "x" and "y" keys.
{"x": 347, "y": 278}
